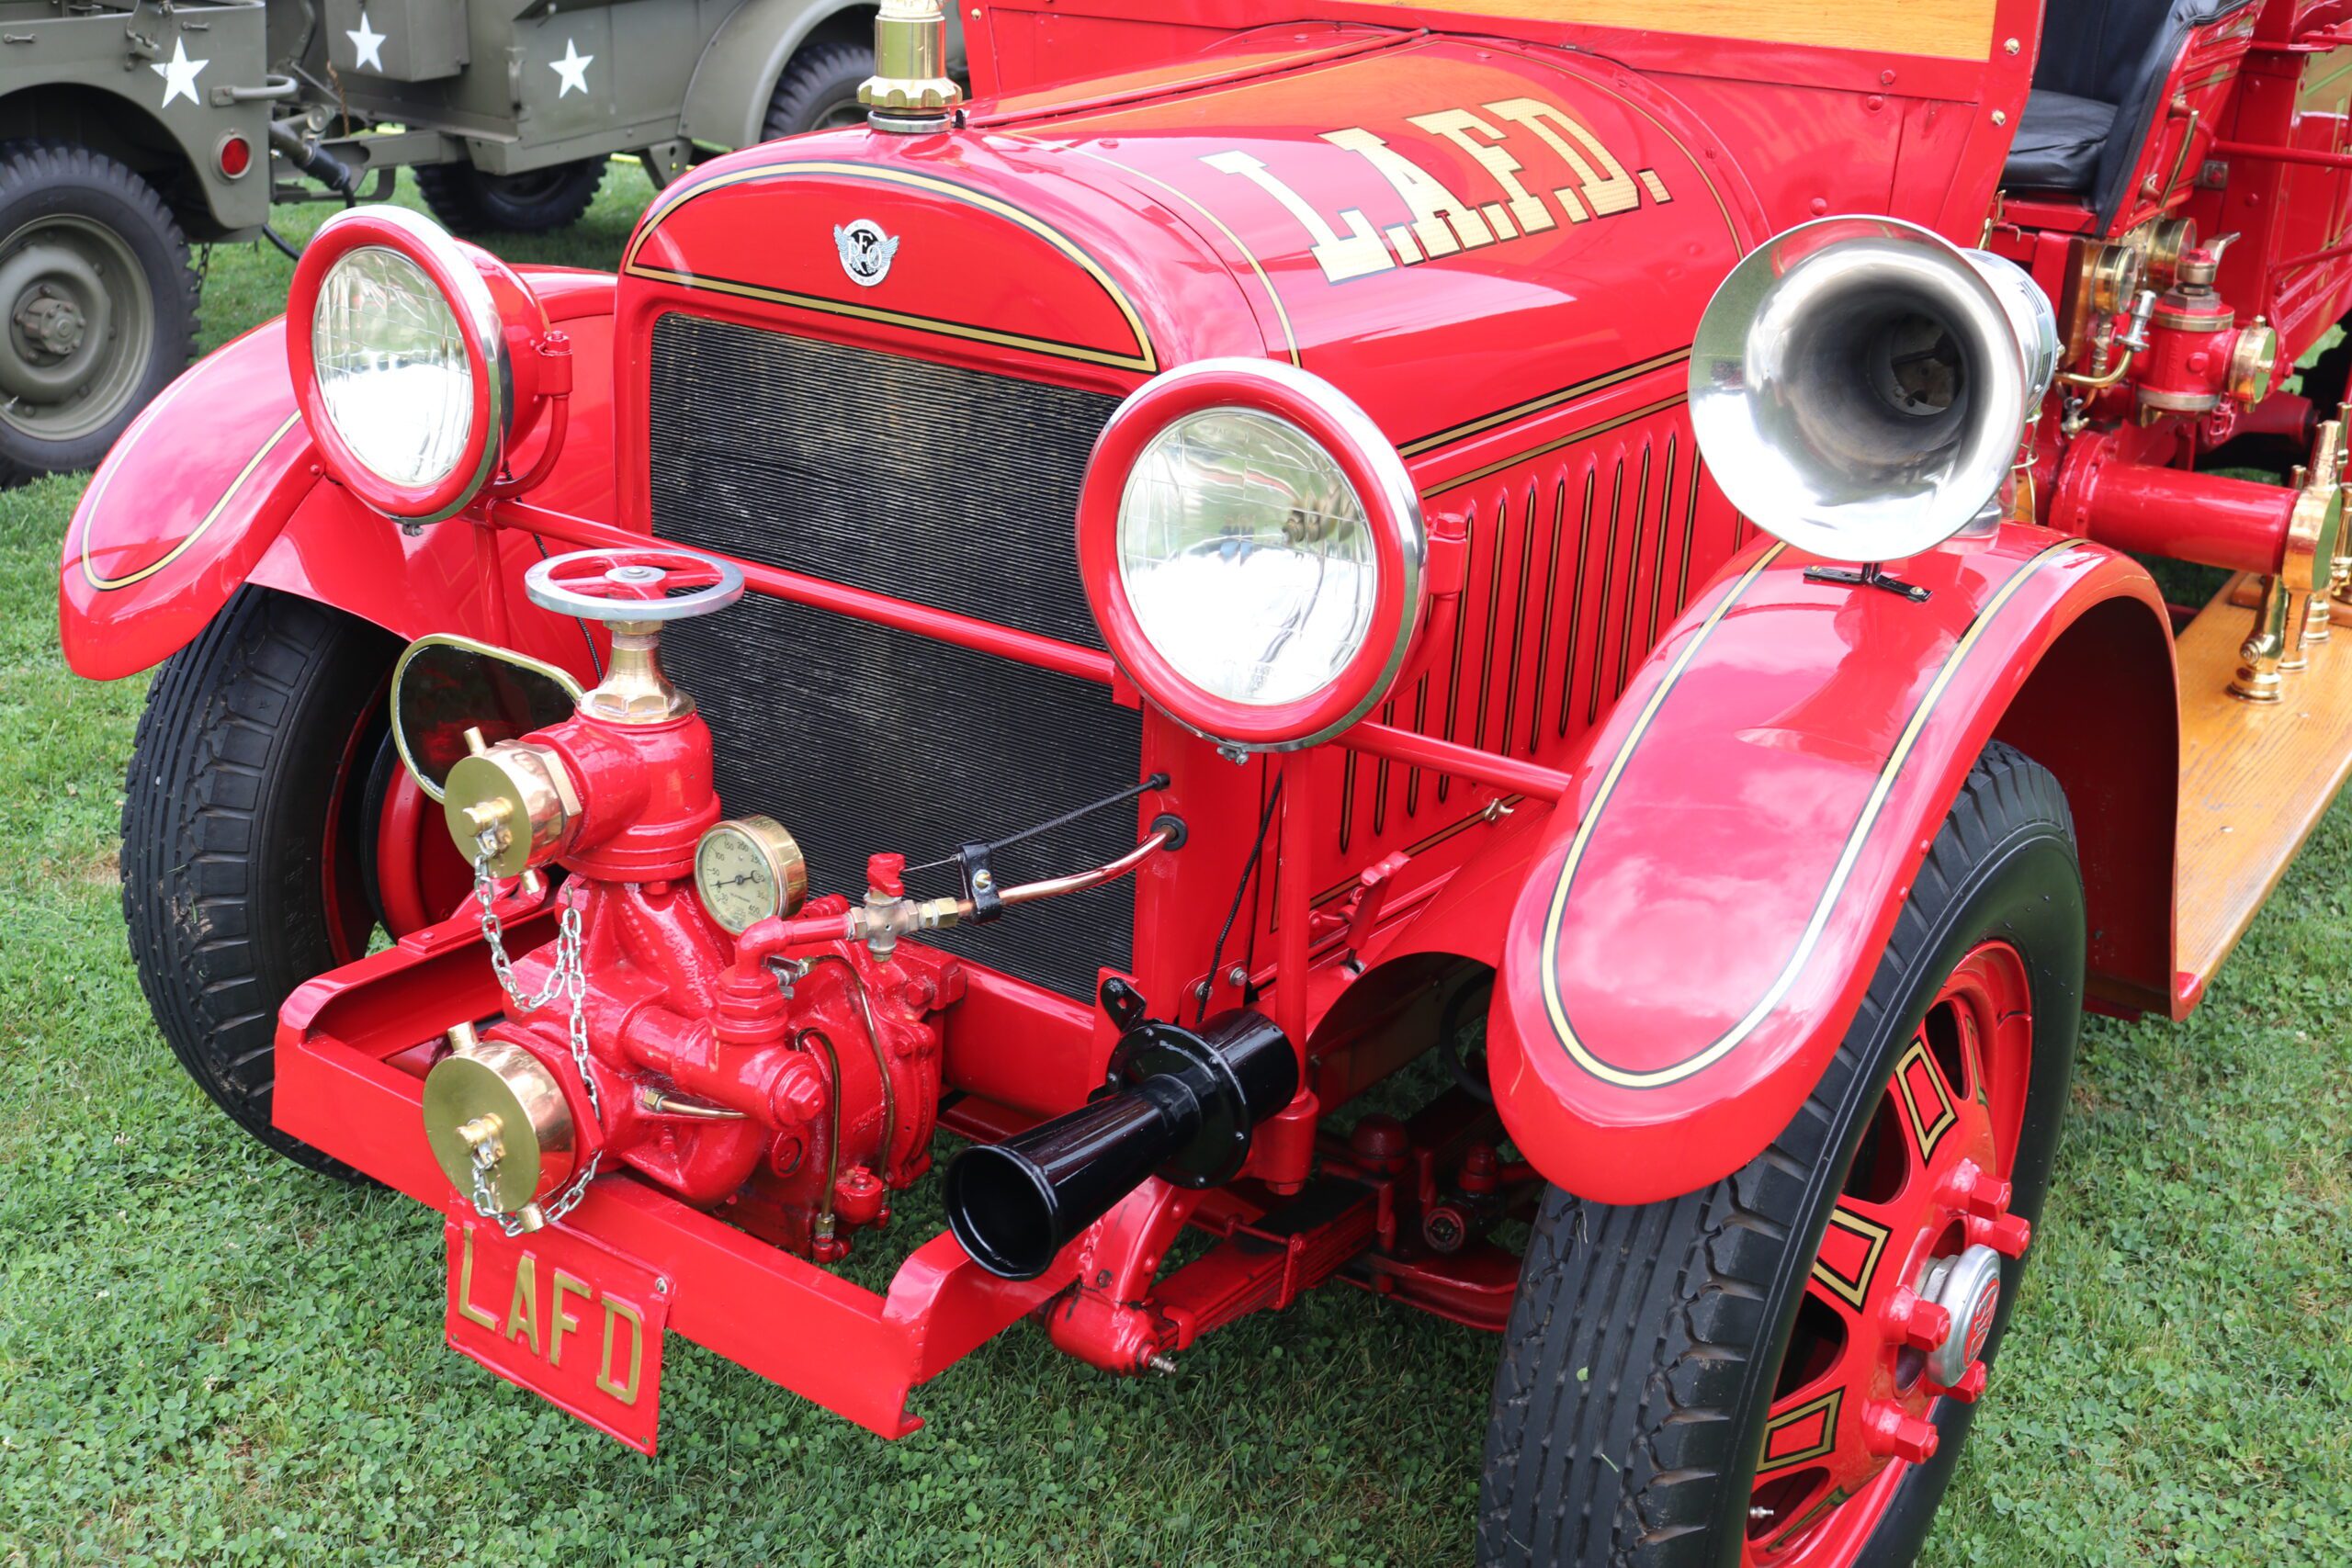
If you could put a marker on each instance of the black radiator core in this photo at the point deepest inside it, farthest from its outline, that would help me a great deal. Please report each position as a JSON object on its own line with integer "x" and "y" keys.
{"x": 949, "y": 488}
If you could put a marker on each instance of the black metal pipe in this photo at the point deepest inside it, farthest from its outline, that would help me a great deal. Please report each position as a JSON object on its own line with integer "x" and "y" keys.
{"x": 1176, "y": 1102}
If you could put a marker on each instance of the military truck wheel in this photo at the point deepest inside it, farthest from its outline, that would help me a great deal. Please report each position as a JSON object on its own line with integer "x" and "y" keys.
{"x": 472, "y": 202}
{"x": 99, "y": 303}
{"x": 819, "y": 90}
{"x": 246, "y": 831}
{"x": 1779, "y": 1370}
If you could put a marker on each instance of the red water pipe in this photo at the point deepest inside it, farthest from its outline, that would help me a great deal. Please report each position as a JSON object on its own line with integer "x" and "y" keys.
{"x": 2234, "y": 524}
{"x": 1451, "y": 756}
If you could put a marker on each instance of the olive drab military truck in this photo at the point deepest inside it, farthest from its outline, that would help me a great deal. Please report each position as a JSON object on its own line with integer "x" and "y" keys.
{"x": 128, "y": 129}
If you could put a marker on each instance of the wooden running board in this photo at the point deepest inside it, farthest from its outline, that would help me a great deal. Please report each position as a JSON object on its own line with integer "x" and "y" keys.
{"x": 2255, "y": 780}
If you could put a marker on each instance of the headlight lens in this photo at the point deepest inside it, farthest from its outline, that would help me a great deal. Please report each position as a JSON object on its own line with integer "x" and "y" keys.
{"x": 1247, "y": 556}
{"x": 392, "y": 368}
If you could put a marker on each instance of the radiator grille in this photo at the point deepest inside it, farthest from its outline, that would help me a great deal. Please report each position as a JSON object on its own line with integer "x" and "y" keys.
{"x": 952, "y": 488}
{"x": 945, "y": 487}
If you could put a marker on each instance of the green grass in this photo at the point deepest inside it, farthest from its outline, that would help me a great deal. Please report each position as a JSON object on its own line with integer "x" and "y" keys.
{"x": 209, "y": 1356}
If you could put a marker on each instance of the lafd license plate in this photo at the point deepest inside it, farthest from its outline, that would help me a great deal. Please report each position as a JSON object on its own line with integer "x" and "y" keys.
{"x": 576, "y": 1323}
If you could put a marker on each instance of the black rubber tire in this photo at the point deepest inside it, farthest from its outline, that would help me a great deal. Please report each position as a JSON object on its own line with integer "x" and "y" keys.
{"x": 2324, "y": 379}
{"x": 1638, "y": 1365}
{"x": 819, "y": 80}
{"x": 224, "y": 833}
{"x": 54, "y": 179}
{"x": 472, "y": 202}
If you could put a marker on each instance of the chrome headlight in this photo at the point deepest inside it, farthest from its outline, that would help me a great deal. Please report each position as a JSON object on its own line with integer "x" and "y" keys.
{"x": 397, "y": 338}
{"x": 1253, "y": 550}
{"x": 392, "y": 366}
{"x": 1247, "y": 556}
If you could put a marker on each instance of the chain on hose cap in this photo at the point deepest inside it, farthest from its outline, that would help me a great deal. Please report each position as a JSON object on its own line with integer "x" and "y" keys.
{"x": 498, "y": 1126}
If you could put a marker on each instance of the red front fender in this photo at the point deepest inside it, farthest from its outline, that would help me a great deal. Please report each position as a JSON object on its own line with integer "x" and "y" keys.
{"x": 217, "y": 484}
{"x": 1696, "y": 933}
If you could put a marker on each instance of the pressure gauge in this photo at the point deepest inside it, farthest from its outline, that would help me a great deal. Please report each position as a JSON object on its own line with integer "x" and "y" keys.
{"x": 748, "y": 870}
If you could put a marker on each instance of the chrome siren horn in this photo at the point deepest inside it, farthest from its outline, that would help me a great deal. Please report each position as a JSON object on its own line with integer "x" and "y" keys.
{"x": 1860, "y": 386}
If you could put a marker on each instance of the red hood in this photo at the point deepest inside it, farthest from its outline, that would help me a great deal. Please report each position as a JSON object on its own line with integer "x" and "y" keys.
{"x": 1104, "y": 241}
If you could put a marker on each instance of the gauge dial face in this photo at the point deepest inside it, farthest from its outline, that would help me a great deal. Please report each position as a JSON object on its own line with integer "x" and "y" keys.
{"x": 749, "y": 870}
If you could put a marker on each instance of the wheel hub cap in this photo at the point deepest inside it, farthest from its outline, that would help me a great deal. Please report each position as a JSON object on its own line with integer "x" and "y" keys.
{"x": 52, "y": 325}
{"x": 1968, "y": 1289}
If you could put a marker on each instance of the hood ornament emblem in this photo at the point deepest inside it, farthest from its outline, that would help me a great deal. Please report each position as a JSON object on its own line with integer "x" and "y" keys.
{"x": 865, "y": 250}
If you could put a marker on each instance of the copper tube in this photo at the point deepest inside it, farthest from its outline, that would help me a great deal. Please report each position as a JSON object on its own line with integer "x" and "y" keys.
{"x": 824, "y": 1229}
{"x": 661, "y": 1102}
{"x": 1083, "y": 881}
{"x": 881, "y": 1062}
{"x": 2080, "y": 379}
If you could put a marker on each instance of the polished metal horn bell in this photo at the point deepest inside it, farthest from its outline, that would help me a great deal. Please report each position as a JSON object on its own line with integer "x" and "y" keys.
{"x": 1860, "y": 386}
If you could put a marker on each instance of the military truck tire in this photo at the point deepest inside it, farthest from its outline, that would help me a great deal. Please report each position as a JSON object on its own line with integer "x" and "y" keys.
{"x": 243, "y": 806}
{"x": 1660, "y": 1357}
{"x": 472, "y": 202}
{"x": 818, "y": 89}
{"x": 100, "y": 304}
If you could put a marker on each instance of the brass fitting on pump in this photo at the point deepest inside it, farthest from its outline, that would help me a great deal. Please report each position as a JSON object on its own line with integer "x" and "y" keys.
{"x": 2279, "y": 642}
{"x": 509, "y": 804}
{"x": 909, "y": 90}
{"x": 499, "y": 1126}
{"x": 635, "y": 689}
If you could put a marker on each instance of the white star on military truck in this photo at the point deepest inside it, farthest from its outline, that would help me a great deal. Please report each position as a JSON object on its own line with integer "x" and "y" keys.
{"x": 572, "y": 69}
{"x": 368, "y": 43}
{"x": 178, "y": 73}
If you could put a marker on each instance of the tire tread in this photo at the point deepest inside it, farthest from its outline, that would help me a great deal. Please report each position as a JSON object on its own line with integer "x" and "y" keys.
{"x": 1662, "y": 1340}
{"x": 222, "y": 711}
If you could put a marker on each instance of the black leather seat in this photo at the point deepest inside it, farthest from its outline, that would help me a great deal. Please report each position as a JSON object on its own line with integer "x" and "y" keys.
{"x": 2095, "y": 83}
{"x": 2059, "y": 141}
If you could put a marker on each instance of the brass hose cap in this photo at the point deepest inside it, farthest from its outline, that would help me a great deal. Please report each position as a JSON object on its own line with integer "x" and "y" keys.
{"x": 494, "y": 1097}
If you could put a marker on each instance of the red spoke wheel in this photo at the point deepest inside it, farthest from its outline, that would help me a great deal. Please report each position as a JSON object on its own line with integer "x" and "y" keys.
{"x": 1777, "y": 1371}
{"x": 1904, "y": 1290}
{"x": 268, "y": 830}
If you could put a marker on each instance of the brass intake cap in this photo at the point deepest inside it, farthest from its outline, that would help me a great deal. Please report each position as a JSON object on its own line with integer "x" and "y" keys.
{"x": 510, "y": 805}
{"x": 492, "y": 1107}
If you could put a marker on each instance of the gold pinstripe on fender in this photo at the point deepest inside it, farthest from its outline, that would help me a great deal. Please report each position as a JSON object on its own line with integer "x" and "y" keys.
{"x": 1857, "y": 837}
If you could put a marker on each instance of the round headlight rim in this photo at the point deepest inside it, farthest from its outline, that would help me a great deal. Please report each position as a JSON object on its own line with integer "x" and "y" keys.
{"x": 1366, "y": 459}
{"x": 451, "y": 269}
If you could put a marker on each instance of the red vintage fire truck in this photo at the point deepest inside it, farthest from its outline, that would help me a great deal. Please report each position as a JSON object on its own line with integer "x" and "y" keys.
{"x": 1111, "y": 620}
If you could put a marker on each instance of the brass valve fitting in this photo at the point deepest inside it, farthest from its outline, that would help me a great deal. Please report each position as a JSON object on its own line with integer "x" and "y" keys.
{"x": 511, "y": 804}
{"x": 909, "y": 90}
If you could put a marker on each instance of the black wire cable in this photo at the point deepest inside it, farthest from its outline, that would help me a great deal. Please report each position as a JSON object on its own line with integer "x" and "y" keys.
{"x": 1157, "y": 780}
{"x": 1249, "y": 869}
{"x": 588, "y": 636}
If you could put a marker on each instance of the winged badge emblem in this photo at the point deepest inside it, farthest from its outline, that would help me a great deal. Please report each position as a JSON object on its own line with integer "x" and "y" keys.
{"x": 865, "y": 250}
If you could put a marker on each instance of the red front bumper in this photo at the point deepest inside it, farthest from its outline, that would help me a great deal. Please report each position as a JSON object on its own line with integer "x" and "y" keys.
{"x": 352, "y": 1049}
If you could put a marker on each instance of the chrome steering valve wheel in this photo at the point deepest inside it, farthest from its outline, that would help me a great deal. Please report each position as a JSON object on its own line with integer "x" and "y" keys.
{"x": 651, "y": 584}
{"x": 633, "y": 591}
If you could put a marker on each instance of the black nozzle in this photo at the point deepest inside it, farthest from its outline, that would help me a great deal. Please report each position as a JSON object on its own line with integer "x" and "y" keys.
{"x": 1178, "y": 1103}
